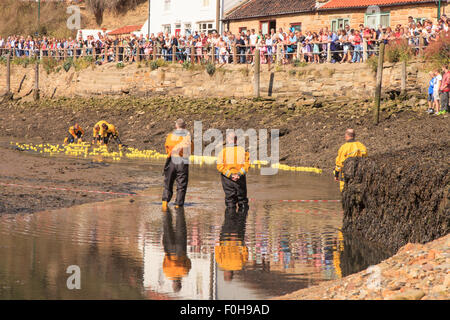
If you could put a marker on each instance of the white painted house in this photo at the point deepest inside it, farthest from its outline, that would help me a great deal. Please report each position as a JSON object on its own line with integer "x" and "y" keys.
{"x": 184, "y": 17}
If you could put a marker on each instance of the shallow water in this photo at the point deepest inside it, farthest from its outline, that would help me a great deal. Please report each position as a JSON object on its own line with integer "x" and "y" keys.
{"x": 121, "y": 246}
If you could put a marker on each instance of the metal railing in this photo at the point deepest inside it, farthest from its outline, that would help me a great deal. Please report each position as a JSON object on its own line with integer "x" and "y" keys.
{"x": 319, "y": 52}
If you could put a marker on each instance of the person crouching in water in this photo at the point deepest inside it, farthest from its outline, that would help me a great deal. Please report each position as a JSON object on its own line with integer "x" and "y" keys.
{"x": 96, "y": 132}
{"x": 108, "y": 131}
{"x": 75, "y": 134}
{"x": 233, "y": 164}
{"x": 178, "y": 148}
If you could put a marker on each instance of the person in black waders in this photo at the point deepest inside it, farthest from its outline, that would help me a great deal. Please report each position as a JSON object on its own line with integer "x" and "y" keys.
{"x": 178, "y": 148}
{"x": 75, "y": 134}
{"x": 233, "y": 164}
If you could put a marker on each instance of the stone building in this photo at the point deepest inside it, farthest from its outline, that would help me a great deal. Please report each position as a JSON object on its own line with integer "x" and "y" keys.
{"x": 312, "y": 15}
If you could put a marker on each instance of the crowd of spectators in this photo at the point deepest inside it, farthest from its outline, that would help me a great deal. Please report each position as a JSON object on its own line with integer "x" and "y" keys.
{"x": 343, "y": 46}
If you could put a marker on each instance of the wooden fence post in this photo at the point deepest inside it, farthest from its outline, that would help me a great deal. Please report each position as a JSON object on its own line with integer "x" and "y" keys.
{"x": 8, "y": 74}
{"x": 279, "y": 53}
{"x": 377, "y": 102}
{"x": 257, "y": 76}
{"x": 328, "y": 52}
{"x": 36, "y": 82}
{"x": 421, "y": 45}
{"x": 234, "y": 54}
{"x": 365, "y": 50}
{"x": 192, "y": 54}
{"x": 116, "y": 50}
{"x": 213, "y": 54}
{"x": 174, "y": 54}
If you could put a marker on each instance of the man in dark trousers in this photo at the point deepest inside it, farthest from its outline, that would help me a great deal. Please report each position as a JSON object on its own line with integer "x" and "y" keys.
{"x": 178, "y": 148}
{"x": 233, "y": 164}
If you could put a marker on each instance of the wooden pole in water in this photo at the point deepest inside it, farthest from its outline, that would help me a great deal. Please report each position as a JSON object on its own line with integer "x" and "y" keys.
{"x": 36, "y": 82}
{"x": 377, "y": 102}
{"x": 8, "y": 73}
{"x": 256, "y": 83}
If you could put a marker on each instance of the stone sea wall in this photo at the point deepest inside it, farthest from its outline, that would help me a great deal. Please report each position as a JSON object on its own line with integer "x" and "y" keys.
{"x": 310, "y": 82}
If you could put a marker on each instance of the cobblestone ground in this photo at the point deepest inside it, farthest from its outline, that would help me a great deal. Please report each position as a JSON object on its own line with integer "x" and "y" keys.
{"x": 416, "y": 272}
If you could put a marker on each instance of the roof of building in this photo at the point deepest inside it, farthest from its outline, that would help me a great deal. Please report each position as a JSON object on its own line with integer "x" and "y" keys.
{"x": 125, "y": 30}
{"x": 341, "y": 4}
{"x": 266, "y": 8}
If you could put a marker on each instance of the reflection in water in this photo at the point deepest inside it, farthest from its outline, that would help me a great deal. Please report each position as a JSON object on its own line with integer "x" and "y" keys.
{"x": 176, "y": 264}
{"x": 134, "y": 251}
{"x": 231, "y": 253}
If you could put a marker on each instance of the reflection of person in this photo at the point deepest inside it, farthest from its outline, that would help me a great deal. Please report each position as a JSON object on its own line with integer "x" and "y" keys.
{"x": 233, "y": 164}
{"x": 350, "y": 148}
{"x": 176, "y": 264}
{"x": 231, "y": 254}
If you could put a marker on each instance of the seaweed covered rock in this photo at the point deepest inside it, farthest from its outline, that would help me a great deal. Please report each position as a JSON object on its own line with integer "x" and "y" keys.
{"x": 400, "y": 197}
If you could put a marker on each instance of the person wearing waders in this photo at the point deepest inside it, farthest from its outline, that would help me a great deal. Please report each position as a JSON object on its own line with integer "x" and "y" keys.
{"x": 178, "y": 148}
{"x": 233, "y": 164}
{"x": 349, "y": 149}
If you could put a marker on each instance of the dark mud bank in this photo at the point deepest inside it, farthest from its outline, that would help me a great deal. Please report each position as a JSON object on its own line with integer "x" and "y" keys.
{"x": 400, "y": 197}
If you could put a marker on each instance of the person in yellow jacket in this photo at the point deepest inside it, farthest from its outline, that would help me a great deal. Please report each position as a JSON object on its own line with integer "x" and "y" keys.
{"x": 108, "y": 131}
{"x": 231, "y": 254}
{"x": 349, "y": 149}
{"x": 96, "y": 131}
{"x": 75, "y": 134}
{"x": 176, "y": 264}
{"x": 233, "y": 163}
{"x": 178, "y": 147}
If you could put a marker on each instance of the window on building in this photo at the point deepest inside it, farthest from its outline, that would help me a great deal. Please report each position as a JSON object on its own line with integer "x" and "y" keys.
{"x": 242, "y": 29}
{"x": 167, "y": 28}
{"x": 187, "y": 29}
{"x": 373, "y": 20}
{"x": 205, "y": 3}
{"x": 421, "y": 20}
{"x": 266, "y": 26}
{"x": 339, "y": 24}
{"x": 205, "y": 27}
{"x": 167, "y": 5}
{"x": 296, "y": 26}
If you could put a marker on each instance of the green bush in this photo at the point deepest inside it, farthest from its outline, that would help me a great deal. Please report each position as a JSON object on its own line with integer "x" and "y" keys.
{"x": 120, "y": 65}
{"x": 397, "y": 51}
{"x": 68, "y": 64}
{"x": 373, "y": 63}
{"x": 49, "y": 64}
{"x": 210, "y": 68}
{"x": 438, "y": 53}
{"x": 154, "y": 65}
{"x": 298, "y": 63}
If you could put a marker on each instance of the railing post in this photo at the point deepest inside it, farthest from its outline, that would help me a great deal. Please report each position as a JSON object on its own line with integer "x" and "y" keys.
{"x": 299, "y": 50}
{"x": 234, "y": 53}
{"x": 116, "y": 50}
{"x": 279, "y": 53}
{"x": 174, "y": 54}
{"x": 421, "y": 45}
{"x": 328, "y": 52}
{"x": 365, "y": 52}
{"x": 213, "y": 54}
{"x": 65, "y": 54}
{"x": 192, "y": 54}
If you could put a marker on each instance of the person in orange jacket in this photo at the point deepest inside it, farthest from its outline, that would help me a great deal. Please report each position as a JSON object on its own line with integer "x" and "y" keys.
{"x": 350, "y": 148}
{"x": 178, "y": 148}
{"x": 108, "y": 131}
{"x": 96, "y": 131}
{"x": 176, "y": 264}
{"x": 75, "y": 134}
{"x": 231, "y": 254}
{"x": 233, "y": 163}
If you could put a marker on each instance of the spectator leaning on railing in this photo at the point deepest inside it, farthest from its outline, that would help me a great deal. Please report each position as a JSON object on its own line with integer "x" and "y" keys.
{"x": 343, "y": 46}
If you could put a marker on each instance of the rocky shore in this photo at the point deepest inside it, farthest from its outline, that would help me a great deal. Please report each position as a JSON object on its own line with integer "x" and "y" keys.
{"x": 416, "y": 272}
